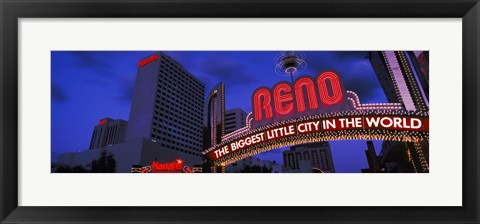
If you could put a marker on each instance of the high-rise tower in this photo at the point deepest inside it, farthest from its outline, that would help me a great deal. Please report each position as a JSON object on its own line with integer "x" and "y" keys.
{"x": 108, "y": 132}
{"x": 167, "y": 105}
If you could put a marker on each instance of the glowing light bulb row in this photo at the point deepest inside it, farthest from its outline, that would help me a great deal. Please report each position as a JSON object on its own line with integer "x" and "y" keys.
{"x": 423, "y": 160}
{"x": 386, "y": 135}
{"x": 390, "y": 72}
{"x": 236, "y": 132}
{"x": 321, "y": 116}
{"x": 246, "y": 132}
{"x": 412, "y": 80}
{"x": 356, "y": 100}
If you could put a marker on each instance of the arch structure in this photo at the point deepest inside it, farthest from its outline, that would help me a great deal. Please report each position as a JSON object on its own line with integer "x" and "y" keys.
{"x": 380, "y": 121}
{"x": 214, "y": 123}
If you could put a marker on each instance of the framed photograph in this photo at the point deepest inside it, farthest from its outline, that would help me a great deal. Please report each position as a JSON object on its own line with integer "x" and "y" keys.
{"x": 248, "y": 112}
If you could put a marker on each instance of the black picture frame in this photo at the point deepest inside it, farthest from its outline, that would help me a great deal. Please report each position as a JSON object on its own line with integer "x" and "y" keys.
{"x": 11, "y": 11}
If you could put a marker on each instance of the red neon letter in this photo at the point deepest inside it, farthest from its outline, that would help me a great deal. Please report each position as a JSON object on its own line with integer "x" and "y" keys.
{"x": 336, "y": 96}
{"x": 312, "y": 97}
{"x": 280, "y": 99}
{"x": 148, "y": 60}
{"x": 258, "y": 104}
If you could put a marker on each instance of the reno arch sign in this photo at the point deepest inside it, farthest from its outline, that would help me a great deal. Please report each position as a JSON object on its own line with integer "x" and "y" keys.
{"x": 306, "y": 95}
{"x": 315, "y": 109}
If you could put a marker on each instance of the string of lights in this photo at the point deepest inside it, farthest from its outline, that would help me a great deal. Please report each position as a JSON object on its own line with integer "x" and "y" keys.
{"x": 324, "y": 135}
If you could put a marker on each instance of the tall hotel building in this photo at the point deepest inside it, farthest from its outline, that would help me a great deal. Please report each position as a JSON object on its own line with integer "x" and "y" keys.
{"x": 235, "y": 119}
{"x": 167, "y": 106}
{"x": 165, "y": 124}
{"x": 108, "y": 132}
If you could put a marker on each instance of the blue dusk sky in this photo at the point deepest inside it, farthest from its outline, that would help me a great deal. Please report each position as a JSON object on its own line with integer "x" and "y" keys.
{"x": 90, "y": 85}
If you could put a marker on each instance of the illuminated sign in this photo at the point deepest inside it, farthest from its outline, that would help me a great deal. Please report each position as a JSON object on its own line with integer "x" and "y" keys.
{"x": 146, "y": 169}
{"x": 187, "y": 169}
{"x": 174, "y": 167}
{"x": 197, "y": 169}
{"x": 177, "y": 165}
{"x": 102, "y": 122}
{"x": 136, "y": 169}
{"x": 313, "y": 110}
{"x": 382, "y": 126}
{"x": 307, "y": 94}
{"x": 148, "y": 60}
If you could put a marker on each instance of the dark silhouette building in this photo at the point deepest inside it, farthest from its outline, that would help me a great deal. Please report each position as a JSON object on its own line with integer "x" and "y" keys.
{"x": 214, "y": 122}
{"x": 306, "y": 157}
{"x": 108, "y": 132}
{"x": 372, "y": 158}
